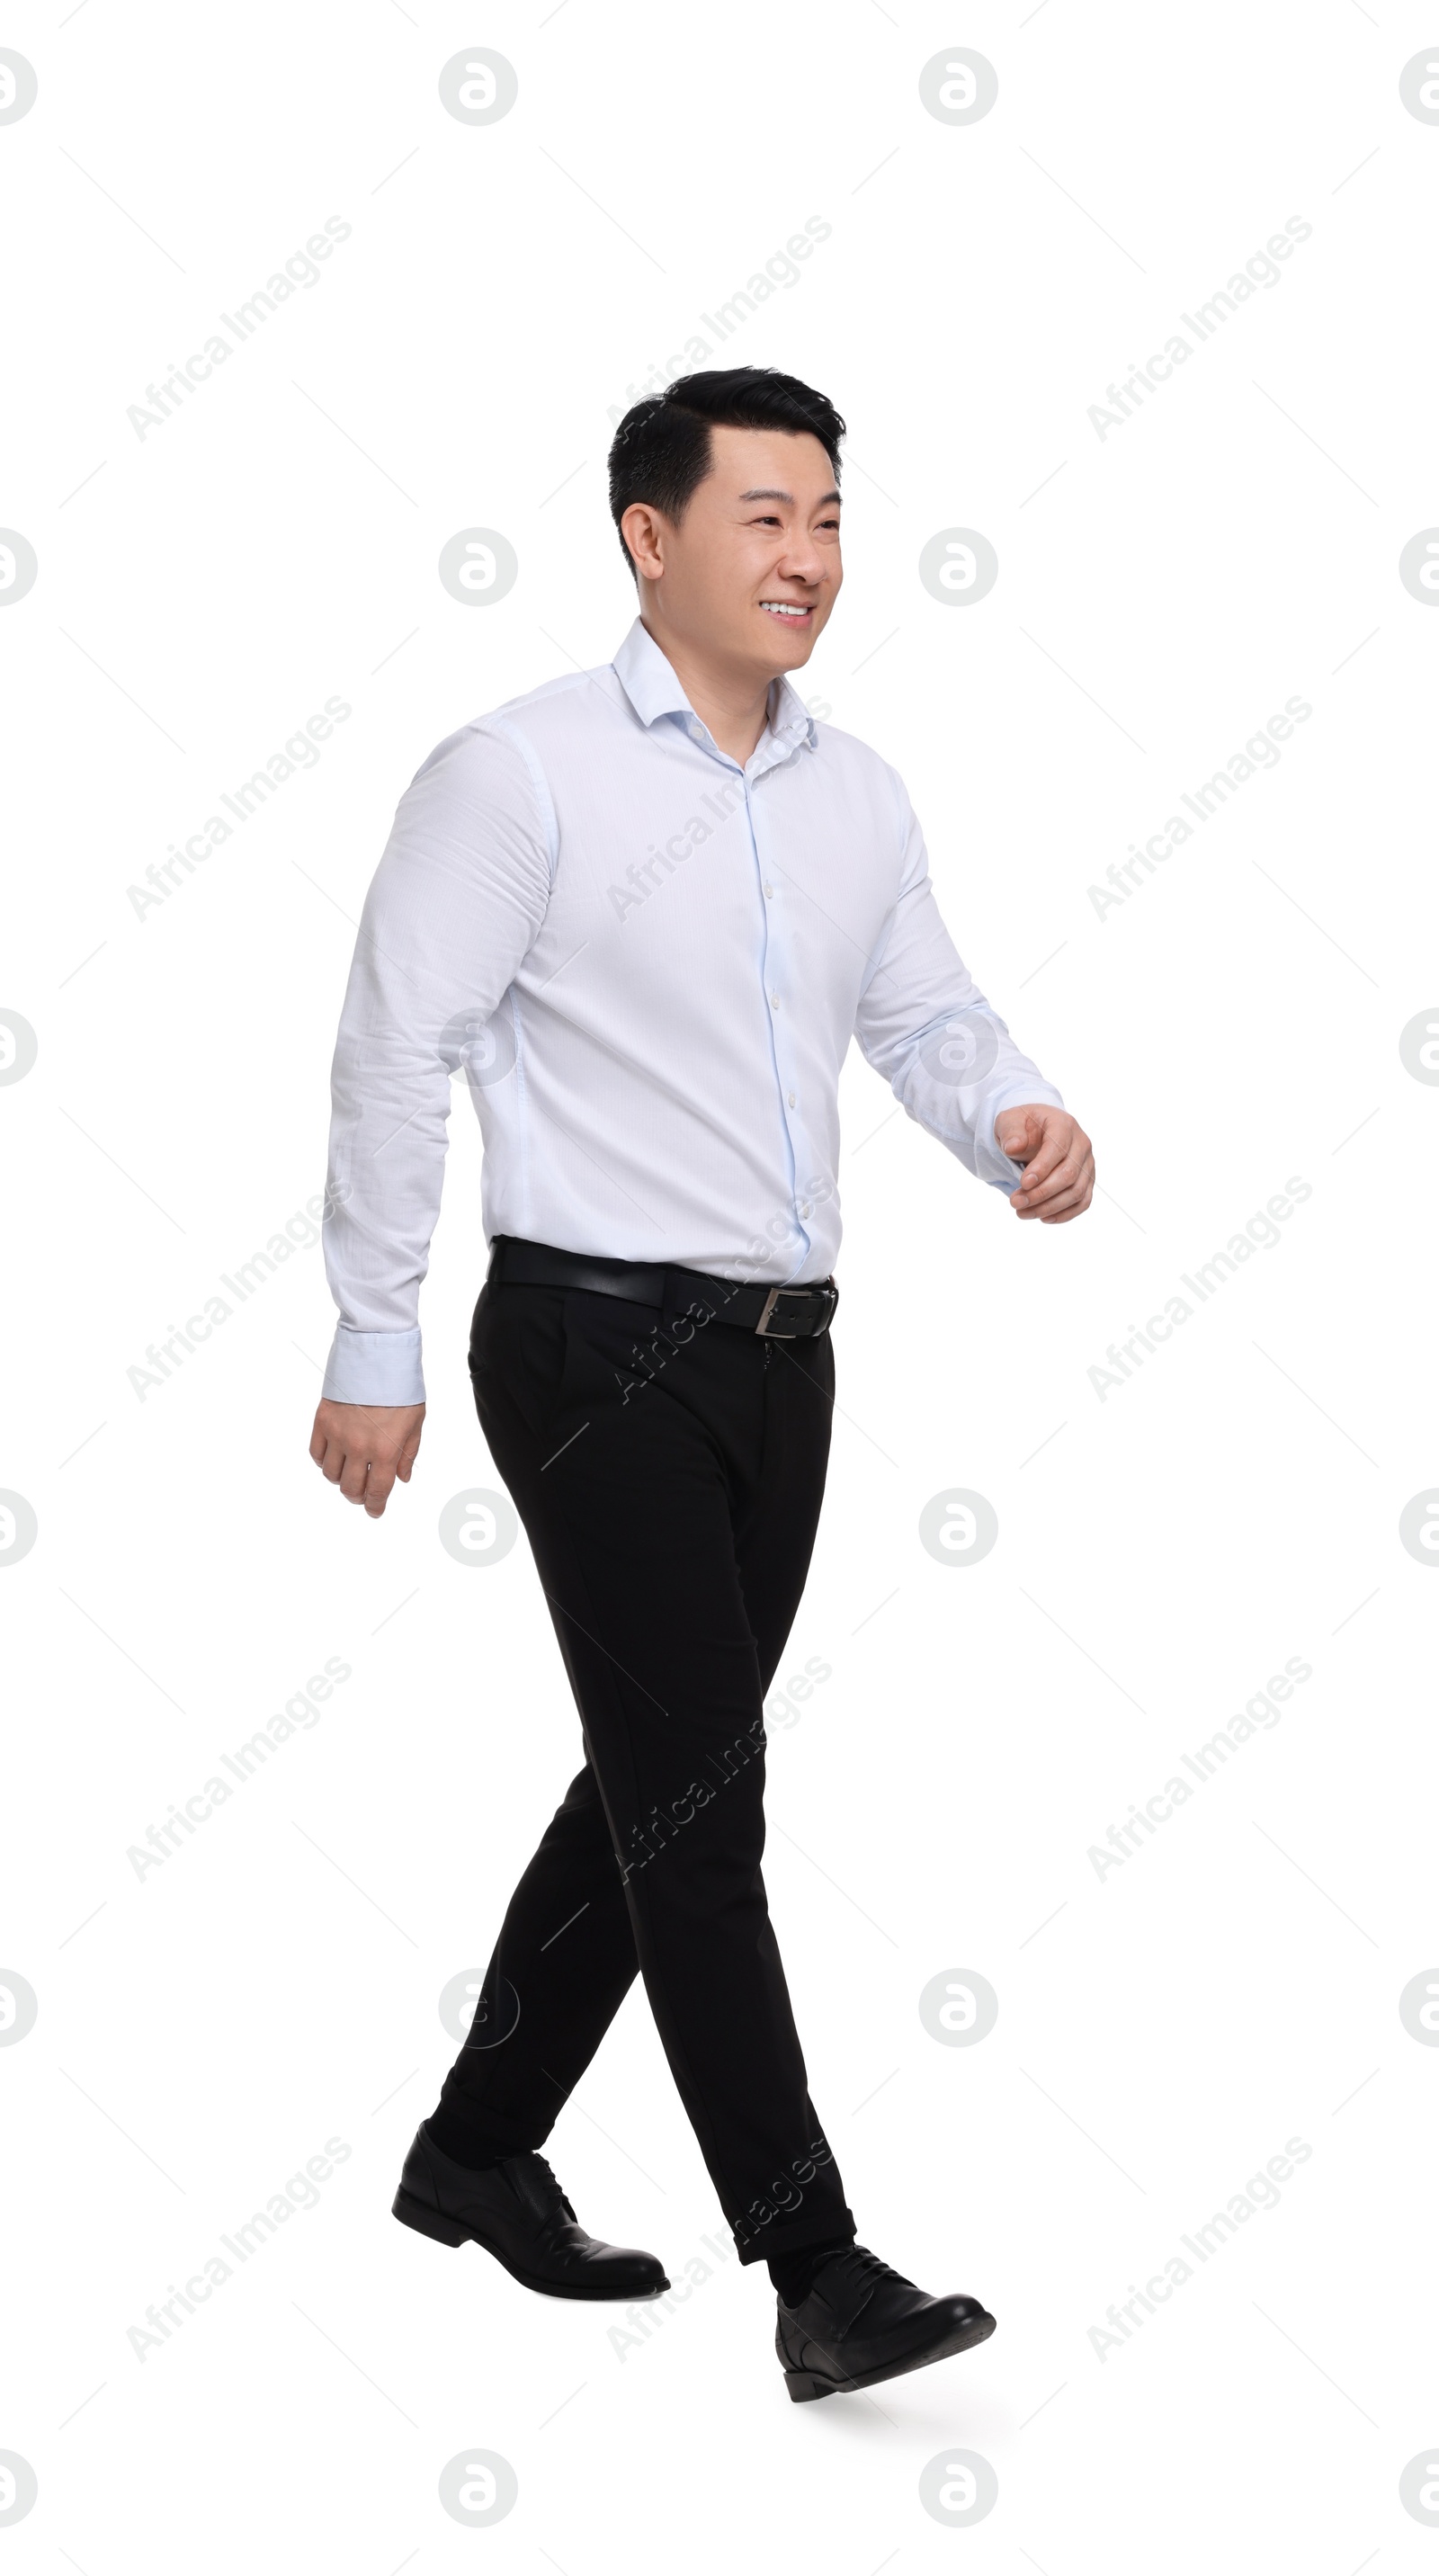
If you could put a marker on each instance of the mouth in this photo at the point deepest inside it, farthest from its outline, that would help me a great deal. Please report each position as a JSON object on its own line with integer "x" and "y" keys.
{"x": 789, "y": 612}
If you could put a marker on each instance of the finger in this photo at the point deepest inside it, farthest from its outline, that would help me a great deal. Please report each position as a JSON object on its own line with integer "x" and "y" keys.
{"x": 379, "y": 1488}
{"x": 330, "y": 1457}
{"x": 1070, "y": 1196}
{"x": 1070, "y": 1205}
{"x": 1069, "y": 1170}
{"x": 1048, "y": 1154}
{"x": 352, "y": 1476}
{"x": 1073, "y": 1204}
{"x": 1062, "y": 1177}
{"x": 408, "y": 1456}
{"x": 1044, "y": 1215}
{"x": 1019, "y": 1143}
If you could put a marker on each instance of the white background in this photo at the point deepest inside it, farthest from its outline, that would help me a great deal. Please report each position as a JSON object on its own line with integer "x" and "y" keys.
{"x": 1235, "y": 1502}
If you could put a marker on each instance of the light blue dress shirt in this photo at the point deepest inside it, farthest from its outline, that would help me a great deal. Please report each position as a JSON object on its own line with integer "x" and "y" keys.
{"x": 647, "y": 962}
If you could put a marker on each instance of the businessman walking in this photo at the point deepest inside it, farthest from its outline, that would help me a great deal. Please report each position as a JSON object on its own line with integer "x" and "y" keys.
{"x": 647, "y": 907}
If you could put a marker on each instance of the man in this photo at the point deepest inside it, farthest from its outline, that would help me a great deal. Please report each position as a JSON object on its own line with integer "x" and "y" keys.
{"x": 648, "y": 906}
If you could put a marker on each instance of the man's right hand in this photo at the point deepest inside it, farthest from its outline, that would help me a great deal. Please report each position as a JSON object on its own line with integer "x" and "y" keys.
{"x": 362, "y": 1448}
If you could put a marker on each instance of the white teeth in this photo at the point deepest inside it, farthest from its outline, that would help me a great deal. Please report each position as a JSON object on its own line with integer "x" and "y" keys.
{"x": 784, "y": 608}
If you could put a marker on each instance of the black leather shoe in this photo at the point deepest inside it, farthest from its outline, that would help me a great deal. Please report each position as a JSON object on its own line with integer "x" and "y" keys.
{"x": 517, "y": 2212}
{"x": 861, "y": 2322}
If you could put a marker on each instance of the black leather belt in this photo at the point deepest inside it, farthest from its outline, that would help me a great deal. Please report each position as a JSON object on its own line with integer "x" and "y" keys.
{"x": 779, "y": 1314}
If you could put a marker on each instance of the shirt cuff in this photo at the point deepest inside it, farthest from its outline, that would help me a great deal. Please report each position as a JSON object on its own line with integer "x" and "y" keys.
{"x": 374, "y": 1368}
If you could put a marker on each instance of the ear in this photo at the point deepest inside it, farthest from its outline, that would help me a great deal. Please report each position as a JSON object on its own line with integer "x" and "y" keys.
{"x": 642, "y": 528}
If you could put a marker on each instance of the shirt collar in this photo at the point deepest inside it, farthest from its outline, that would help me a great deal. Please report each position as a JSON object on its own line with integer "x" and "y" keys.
{"x": 651, "y": 684}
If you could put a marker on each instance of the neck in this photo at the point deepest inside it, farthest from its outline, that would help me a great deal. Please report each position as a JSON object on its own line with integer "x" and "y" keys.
{"x": 732, "y": 701}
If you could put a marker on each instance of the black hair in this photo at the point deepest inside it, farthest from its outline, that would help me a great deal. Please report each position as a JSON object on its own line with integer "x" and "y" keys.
{"x": 661, "y": 451}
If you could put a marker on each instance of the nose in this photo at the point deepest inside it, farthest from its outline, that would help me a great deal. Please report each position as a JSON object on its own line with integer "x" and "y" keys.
{"x": 801, "y": 562}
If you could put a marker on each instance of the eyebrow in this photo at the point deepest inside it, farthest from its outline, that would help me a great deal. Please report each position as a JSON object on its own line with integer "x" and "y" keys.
{"x": 764, "y": 493}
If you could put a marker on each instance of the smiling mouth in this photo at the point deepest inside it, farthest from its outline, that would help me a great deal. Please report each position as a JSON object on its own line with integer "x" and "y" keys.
{"x": 795, "y": 610}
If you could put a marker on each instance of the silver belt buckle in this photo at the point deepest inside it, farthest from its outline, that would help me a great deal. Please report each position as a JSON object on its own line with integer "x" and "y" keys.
{"x": 765, "y": 1312}
{"x": 772, "y": 1300}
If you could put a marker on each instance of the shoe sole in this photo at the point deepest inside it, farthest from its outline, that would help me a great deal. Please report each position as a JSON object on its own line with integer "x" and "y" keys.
{"x": 805, "y": 2384}
{"x": 452, "y": 2231}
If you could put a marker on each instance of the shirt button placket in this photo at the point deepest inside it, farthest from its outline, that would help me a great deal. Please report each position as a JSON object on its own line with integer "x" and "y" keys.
{"x": 774, "y": 996}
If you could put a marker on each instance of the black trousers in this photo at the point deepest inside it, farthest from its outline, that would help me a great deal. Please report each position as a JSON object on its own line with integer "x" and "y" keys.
{"x": 669, "y": 1481}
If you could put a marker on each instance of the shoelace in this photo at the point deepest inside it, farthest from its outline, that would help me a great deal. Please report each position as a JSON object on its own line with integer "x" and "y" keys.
{"x": 870, "y": 2267}
{"x": 862, "y": 2269}
{"x": 553, "y": 2180}
{"x": 860, "y": 2266}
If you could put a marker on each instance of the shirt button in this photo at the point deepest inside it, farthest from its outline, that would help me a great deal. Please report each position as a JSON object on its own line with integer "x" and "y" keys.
{"x": 790, "y": 1097}
{"x": 803, "y": 1207}
{"x": 769, "y": 889}
{"x": 774, "y": 1001}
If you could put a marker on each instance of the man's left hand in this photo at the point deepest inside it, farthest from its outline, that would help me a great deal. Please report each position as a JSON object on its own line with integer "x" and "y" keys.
{"x": 1058, "y": 1162}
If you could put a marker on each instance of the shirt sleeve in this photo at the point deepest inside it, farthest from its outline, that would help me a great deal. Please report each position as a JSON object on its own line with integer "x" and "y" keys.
{"x": 456, "y": 902}
{"x": 923, "y": 1024}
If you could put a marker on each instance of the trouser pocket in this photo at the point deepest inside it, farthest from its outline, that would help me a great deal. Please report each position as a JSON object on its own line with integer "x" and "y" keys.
{"x": 517, "y": 1354}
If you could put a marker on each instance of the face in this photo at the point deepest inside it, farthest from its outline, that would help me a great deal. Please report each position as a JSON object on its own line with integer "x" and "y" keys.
{"x": 753, "y": 569}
